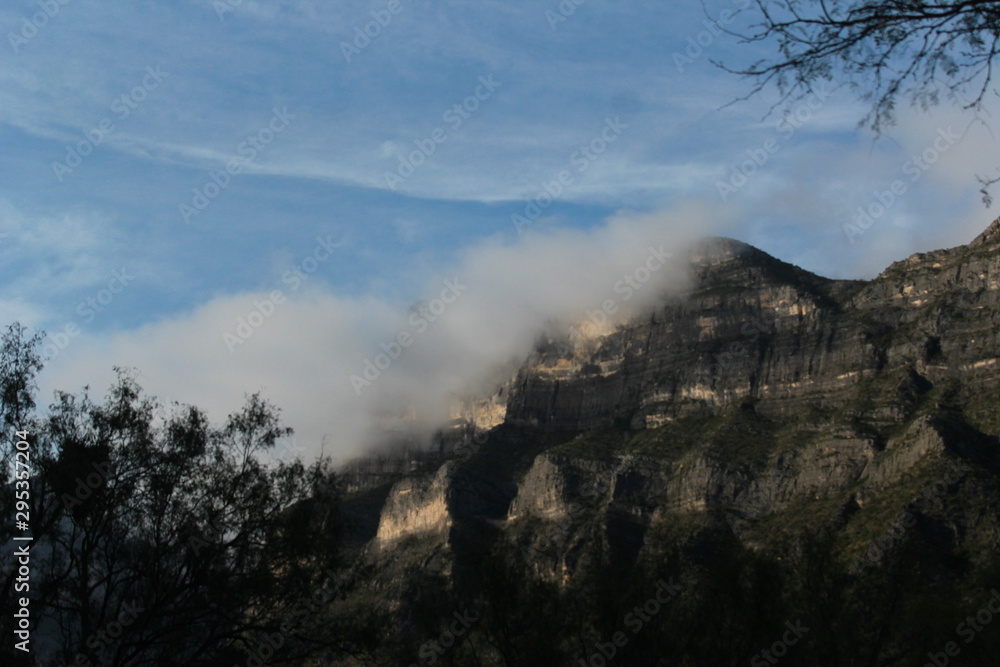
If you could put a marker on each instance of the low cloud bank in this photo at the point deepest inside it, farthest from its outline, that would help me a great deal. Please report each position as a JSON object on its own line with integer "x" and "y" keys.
{"x": 338, "y": 366}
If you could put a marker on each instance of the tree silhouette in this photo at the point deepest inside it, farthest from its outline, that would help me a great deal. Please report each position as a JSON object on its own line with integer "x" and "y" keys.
{"x": 886, "y": 49}
{"x": 165, "y": 540}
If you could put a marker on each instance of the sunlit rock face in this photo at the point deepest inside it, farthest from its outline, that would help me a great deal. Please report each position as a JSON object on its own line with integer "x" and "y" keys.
{"x": 416, "y": 506}
{"x": 755, "y": 327}
{"x": 762, "y": 390}
{"x": 752, "y": 326}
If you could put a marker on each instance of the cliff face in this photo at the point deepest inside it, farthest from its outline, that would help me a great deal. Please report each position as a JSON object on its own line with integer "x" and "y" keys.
{"x": 752, "y": 327}
{"x": 756, "y": 328}
{"x": 775, "y": 396}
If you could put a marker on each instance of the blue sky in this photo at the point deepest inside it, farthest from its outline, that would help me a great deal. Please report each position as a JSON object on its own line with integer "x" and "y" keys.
{"x": 115, "y": 116}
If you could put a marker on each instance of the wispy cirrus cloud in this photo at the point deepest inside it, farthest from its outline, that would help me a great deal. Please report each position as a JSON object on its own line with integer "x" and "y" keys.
{"x": 524, "y": 145}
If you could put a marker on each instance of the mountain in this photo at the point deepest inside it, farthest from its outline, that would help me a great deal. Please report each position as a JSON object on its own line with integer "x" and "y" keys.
{"x": 779, "y": 447}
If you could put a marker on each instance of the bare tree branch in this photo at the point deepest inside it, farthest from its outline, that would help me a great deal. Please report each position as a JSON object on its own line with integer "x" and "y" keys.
{"x": 917, "y": 51}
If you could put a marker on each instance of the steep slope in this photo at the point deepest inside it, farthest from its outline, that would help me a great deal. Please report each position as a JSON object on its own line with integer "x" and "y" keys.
{"x": 767, "y": 408}
{"x": 752, "y": 327}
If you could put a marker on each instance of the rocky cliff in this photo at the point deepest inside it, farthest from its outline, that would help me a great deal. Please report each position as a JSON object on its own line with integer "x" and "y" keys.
{"x": 768, "y": 402}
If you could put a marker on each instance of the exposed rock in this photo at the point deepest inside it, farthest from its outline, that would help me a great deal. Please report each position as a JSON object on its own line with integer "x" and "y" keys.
{"x": 416, "y": 506}
{"x": 763, "y": 388}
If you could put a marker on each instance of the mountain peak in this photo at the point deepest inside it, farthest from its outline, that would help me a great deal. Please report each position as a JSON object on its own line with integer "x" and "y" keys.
{"x": 719, "y": 248}
{"x": 990, "y": 236}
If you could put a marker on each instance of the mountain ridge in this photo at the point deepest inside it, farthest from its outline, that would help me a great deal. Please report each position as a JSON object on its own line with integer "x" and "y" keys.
{"x": 766, "y": 407}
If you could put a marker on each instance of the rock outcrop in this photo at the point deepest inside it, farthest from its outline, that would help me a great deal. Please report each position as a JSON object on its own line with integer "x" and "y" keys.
{"x": 763, "y": 388}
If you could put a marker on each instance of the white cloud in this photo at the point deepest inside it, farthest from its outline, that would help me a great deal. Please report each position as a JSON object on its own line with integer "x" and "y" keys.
{"x": 303, "y": 356}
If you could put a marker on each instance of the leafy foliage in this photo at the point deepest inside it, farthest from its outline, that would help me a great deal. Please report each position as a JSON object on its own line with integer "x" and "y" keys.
{"x": 162, "y": 540}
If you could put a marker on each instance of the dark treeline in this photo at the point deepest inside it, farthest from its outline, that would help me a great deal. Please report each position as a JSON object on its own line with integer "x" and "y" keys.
{"x": 160, "y": 539}
{"x": 157, "y": 538}
{"x": 704, "y": 601}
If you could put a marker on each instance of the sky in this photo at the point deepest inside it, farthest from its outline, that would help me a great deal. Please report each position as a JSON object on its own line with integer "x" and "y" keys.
{"x": 238, "y": 196}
